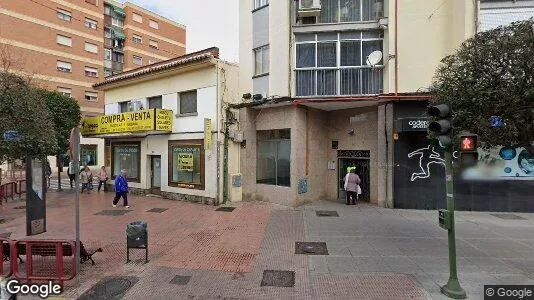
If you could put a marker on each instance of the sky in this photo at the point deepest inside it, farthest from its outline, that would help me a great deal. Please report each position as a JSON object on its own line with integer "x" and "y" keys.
{"x": 210, "y": 23}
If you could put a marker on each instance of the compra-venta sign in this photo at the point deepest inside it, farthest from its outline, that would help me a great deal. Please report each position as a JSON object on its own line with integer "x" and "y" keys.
{"x": 134, "y": 121}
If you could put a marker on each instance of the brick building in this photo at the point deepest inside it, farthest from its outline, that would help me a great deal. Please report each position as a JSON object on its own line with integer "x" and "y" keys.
{"x": 69, "y": 45}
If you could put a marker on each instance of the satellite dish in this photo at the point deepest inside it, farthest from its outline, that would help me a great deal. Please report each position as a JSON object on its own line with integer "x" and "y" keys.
{"x": 374, "y": 58}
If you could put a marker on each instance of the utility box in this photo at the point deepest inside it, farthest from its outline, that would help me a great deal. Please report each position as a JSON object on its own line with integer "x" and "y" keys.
{"x": 136, "y": 238}
{"x": 444, "y": 219}
{"x": 236, "y": 190}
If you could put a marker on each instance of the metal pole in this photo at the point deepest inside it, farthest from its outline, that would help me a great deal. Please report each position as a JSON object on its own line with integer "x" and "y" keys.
{"x": 76, "y": 158}
{"x": 452, "y": 289}
{"x": 58, "y": 160}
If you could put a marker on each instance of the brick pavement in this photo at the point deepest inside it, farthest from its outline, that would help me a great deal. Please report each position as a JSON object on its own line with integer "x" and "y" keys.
{"x": 373, "y": 253}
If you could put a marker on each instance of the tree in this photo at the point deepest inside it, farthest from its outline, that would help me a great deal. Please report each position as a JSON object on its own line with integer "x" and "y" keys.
{"x": 65, "y": 112}
{"x": 492, "y": 74}
{"x": 23, "y": 110}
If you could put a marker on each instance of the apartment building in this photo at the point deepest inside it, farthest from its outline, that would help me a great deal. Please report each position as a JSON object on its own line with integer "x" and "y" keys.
{"x": 69, "y": 45}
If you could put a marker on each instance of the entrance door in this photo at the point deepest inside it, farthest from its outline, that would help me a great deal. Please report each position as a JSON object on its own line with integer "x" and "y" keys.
{"x": 362, "y": 169}
{"x": 155, "y": 174}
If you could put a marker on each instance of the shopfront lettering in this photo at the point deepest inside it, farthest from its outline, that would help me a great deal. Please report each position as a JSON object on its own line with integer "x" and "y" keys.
{"x": 418, "y": 124}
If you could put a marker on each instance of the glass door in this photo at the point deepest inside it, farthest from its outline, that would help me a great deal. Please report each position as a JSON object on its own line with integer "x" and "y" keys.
{"x": 155, "y": 172}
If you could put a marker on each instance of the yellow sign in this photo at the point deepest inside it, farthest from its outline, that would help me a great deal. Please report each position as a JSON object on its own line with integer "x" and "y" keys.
{"x": 185, "y": 162}
{"x": 134, "y": 121}
{"x": 207, "y": 134}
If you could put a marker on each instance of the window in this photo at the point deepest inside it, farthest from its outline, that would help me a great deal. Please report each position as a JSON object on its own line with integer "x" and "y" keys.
{"x": 64, "y": 66}
{"x": 64, "y": 91}
{"x": 89, "y": 23}
{"x": 186, "y": 164}
{"x": 187, "y": 103}
{"x": 260, "y": 3}
{"x": 118, "y": 57}
{"x": 108, "y": 54}
{"x": 154, "y": 24}
{"x": 335, "y": 11}
{"x": 64, "y": 40}
{"x": 137, "y": 39}
{"x": 138, "y": 60}
{"x": 91, "y": 96}
{"x": 335, "y": 64}
{"x": 261, "y": 60}
{"x": 64, "y": 15}
{"x": 137, "y": 18}
{"x": 91, "y": 72}
{"x": 127, "y": 106}
{"x": 107, "y": 72}
{"x": 91, "y": 47}
{"x": 153, "y": 44}
{"x": 108, "y": 33}
{"x": 88, "y": 155}
{"x": 94, "y": 2}
{"x": 117, "y": 22}
{"x": 155, "y": 102}
{"x": 273, "y": 163}
{"x": 107, "y": 10}
{"x": 127, "y": 157}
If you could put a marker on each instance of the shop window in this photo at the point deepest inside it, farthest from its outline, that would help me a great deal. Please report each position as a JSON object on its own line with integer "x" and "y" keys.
{"x": 273, "y": 165}
{"x": 186, "y": 164}
{"x": 127, "y": 157}
{"x": 187, "y": 103}
{"x": 88, "y": 155}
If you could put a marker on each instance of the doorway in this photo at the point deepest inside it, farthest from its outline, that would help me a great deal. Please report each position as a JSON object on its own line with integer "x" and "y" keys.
{"x": 155, "y": 174}
{"x": 362, "y": 169}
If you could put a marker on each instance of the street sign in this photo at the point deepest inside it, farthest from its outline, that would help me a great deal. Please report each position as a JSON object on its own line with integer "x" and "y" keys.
{"x": 12, "y": 135}
{"x": 496, "y": 122}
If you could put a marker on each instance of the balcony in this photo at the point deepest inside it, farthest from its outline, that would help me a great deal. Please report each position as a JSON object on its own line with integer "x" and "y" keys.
{"x": 117, "y": 66}
{"x": 335, "y": 11}
{"x": 345, "y": 81}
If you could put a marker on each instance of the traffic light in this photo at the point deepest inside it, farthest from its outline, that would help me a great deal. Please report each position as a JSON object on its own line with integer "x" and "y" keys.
{"x": 441, "y": 128}
{"x": 468, "y": 150}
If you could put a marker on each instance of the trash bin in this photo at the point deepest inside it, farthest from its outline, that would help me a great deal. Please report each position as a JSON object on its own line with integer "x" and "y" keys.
{"x": 136, "y": 238}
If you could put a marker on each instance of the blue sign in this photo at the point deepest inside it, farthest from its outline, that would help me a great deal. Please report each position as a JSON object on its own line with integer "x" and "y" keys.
{"x": 11, "y": 136}
{"x": 303, "y": 186}
{"x": 496, "y": 122}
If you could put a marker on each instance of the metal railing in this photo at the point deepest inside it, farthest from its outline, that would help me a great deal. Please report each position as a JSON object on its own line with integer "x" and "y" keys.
{"x": 8, "y": 190}
{"x": 339, "y": 81}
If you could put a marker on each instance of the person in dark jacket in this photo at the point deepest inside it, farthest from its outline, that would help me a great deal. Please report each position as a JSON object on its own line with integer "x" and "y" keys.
{"x": 121, "y": 189}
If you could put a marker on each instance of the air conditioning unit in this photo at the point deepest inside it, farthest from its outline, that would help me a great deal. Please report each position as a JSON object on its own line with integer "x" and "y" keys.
{"x": 309, "y": 8}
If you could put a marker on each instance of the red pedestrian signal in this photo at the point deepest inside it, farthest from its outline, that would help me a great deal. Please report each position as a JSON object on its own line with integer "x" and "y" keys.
{"x": 468, "y": 150}
{"x": 468, "y": 143}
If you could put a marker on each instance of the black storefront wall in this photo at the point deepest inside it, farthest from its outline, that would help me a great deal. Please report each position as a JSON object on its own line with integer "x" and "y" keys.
{"x": 419, "y": 174}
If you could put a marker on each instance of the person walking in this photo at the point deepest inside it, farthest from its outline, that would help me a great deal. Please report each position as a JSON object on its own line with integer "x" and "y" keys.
{"x": 71, "y": 173}
{"x": 48, "y": 173}
{"x": 352, "y": 186}
{"x": 121, "y": 189}
{"x": 86, "y": 177}
{"x": 102, "y": 178}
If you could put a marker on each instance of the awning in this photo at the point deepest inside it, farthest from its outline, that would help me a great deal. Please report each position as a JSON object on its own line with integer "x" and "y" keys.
{"x": 119, "y": 11}
{"x": 119, "y": 34}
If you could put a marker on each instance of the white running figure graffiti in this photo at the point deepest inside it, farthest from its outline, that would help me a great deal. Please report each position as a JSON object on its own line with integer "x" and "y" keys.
{"x": 427, "y": 156}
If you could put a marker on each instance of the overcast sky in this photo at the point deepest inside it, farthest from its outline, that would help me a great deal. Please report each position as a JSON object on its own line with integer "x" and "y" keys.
{"x": 209, "y": 22}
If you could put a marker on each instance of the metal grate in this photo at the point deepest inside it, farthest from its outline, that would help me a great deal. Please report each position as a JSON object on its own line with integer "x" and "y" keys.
{"x": 311, "y": 248}
{"x": 157, "y": 210}
{"x": 113, "y": 212}
{"x": 508, "y": 216}
{"x": 226, "y": 208}
{"x": 180, "y": 280}
{"x": 326, "y": 213}
{"x": 278, "y": 278}
{"x": 109, "y": 288}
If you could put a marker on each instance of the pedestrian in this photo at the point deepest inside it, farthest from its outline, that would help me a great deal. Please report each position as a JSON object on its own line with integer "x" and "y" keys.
{"x": 121, "y": 189}
{"x": 71, "y": 173}
{"x": 102, "y": 178}
{"x": 86, "y": 177}
{"x": 352, "y": 186}
{"x": 48, "y": 173}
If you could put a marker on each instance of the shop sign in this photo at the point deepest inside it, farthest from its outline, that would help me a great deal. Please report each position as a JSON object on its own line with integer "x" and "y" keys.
{"x": 412, "y": 124}
{"x": 185, "y": 162}
{"x": 207, "y": 134}
{"x": 134, "y": 121}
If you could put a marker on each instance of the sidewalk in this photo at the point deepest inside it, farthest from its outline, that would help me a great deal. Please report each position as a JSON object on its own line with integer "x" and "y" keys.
{"x": 198, "y": 252}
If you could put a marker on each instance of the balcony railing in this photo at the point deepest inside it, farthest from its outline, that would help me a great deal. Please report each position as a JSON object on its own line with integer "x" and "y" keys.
{"x": 335, "y": 11}
{"x": 339, "y": 81}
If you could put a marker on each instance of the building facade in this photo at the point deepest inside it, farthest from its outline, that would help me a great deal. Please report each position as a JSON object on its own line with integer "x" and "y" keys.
{"x": 348, "y": 88}
{"x": 68, "y": 46}
{"x": 165, "y": 123}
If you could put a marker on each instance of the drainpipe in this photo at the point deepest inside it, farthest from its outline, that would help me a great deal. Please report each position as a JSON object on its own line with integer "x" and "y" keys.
{"x": 387, "y": 151}
{"x": 225, "y": 156}
{"x": 218, "y": 138}
{"x": 396, "y": 48}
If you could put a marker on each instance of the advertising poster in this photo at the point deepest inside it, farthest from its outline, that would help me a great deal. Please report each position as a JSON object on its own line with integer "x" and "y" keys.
{"x": 185, "y": 162}
{"x": 502, "y": 163}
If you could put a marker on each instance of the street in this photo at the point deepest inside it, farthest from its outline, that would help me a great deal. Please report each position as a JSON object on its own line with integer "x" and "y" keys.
{"x": 196, "y": 252}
